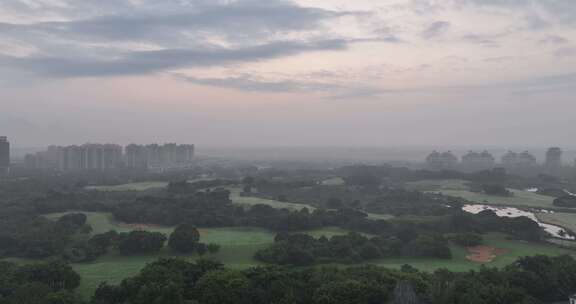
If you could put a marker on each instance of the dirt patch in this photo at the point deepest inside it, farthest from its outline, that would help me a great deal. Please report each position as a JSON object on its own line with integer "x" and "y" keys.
{"x": 484, "y": 254}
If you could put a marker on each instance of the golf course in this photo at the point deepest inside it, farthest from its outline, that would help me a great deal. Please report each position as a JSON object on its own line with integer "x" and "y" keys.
{"x": 239, "y": 244}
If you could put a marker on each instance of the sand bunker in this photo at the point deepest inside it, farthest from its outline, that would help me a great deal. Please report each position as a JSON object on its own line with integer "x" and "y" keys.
{"x": 484, "y": 254}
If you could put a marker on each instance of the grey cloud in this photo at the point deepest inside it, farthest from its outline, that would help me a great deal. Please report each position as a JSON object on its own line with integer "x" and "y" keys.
{"x": 188, "y": 33}
{"x": 248, "y": 83}
{"x": 486, "y": 40}
{"x": 499, "y": 59}
{"x": 239, "y": 19}
{"x": 565, "y": 52}
{"x": 562, "y": 11}
{"x": 143, "y": 62}
{"x": 435, "y": 29}
{"x": 553, "y": 39}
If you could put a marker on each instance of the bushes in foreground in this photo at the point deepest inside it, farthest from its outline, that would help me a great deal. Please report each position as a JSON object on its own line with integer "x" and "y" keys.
{"x": 530, "y": 280}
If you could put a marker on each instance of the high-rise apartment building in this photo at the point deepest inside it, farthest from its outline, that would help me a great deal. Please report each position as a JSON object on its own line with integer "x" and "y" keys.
{"x": 4, "y": 155}
{"x": 475, "y": 161}
{"x": 102, "y": 157}
{"x": 553, "y": 163}
{"x": 524, "y": 160}
{"x": 441, "y": 161}
{"x": 73, "y": 158}
{"x": 553, "y": 158}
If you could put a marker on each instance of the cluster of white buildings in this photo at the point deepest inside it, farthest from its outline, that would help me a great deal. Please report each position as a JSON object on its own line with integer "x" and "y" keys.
{"x": 102, "y": 157}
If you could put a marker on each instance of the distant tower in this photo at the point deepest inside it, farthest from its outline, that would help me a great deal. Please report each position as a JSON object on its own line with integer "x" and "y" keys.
{"x": 4, "y": 155}
{"x": 553, "y": 163}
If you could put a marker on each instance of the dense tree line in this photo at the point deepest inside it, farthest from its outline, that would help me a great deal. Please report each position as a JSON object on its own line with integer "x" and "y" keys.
{"x": 48, "y": 283}
{"x": 530, "y": 280}
{"x": 302, "y": 249}
{"x": 36, "y": 236}
{"x": 568, "y": 201}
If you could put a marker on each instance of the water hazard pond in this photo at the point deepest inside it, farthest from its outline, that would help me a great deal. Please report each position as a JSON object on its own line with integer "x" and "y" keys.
{"x": 555, "y": 231}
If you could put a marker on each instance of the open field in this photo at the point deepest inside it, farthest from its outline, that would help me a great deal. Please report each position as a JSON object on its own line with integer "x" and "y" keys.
{"x": 458, "y": 188}
{"x": 141, "y": 186}
{"x": 335, "y": 181}
{"x": 251, "y": 201}
{"x": 438, "y": 185}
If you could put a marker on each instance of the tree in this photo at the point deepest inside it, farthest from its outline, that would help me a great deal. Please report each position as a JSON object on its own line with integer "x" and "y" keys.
{"x": 56, "y": 275}
{"x": 201, "y": 249}
{"x": 184, "y": 239}
{"x": 466, "y": 239}
{"x": 140, "y": 242}
{"x": 213, "y": 248}
{"x": 350, "y": 292}
{"x": 72, "y": 221}
{"x": 223, "y": 287}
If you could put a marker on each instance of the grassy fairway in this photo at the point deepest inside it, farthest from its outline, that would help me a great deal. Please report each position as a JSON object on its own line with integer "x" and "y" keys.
{"x": 458, "y": 188}
{"x": 459, "y": 262}
{"x": 142, "y": 186}
{"x": 335, "y": 181}
{"x": 566, "y": 220}
{"x": 251, "y": 201}
{"x": 438, "y": 185}
{"x": 237, "y": 251}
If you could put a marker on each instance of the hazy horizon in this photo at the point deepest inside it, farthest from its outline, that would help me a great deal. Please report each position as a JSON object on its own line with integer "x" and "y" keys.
{"x": 288, "y": 73}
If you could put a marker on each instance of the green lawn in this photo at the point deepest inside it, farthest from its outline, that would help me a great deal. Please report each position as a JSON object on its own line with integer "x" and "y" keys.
{"x": 141, "y": 186}
{"x": 437, "y": 185}
{"x": 520, "y": 199}
{"x": 251, "y": 201}
{"x": 335, "y": 181}
{"x": 238, "y": 248}
{"x": 459, "y": 189}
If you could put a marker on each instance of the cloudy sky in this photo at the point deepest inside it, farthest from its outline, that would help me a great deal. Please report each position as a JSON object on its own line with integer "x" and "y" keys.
{"x": 282, "y": 72}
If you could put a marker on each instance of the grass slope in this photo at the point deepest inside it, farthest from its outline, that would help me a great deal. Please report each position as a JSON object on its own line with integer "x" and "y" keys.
{"x": 141, "y": 186}
{"x": 566, "y": 220}
{"x": 459, "y": 189}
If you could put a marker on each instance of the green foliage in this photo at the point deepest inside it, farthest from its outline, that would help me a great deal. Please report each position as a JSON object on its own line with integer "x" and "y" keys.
{"x": 224, "y": 287}
{"x": 47, "y": 283}
{"x": 466, "y": 239}
{"x": 140, "y": 242}
{"x": 184, "y": 239}
{"x": 301, "y": 249}
{"x": 213, "y": 248}
{"x": 566, "y": 201}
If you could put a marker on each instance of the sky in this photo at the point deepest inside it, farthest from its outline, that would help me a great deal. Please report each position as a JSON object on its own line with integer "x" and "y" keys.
{"x": 288, "y": 73}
